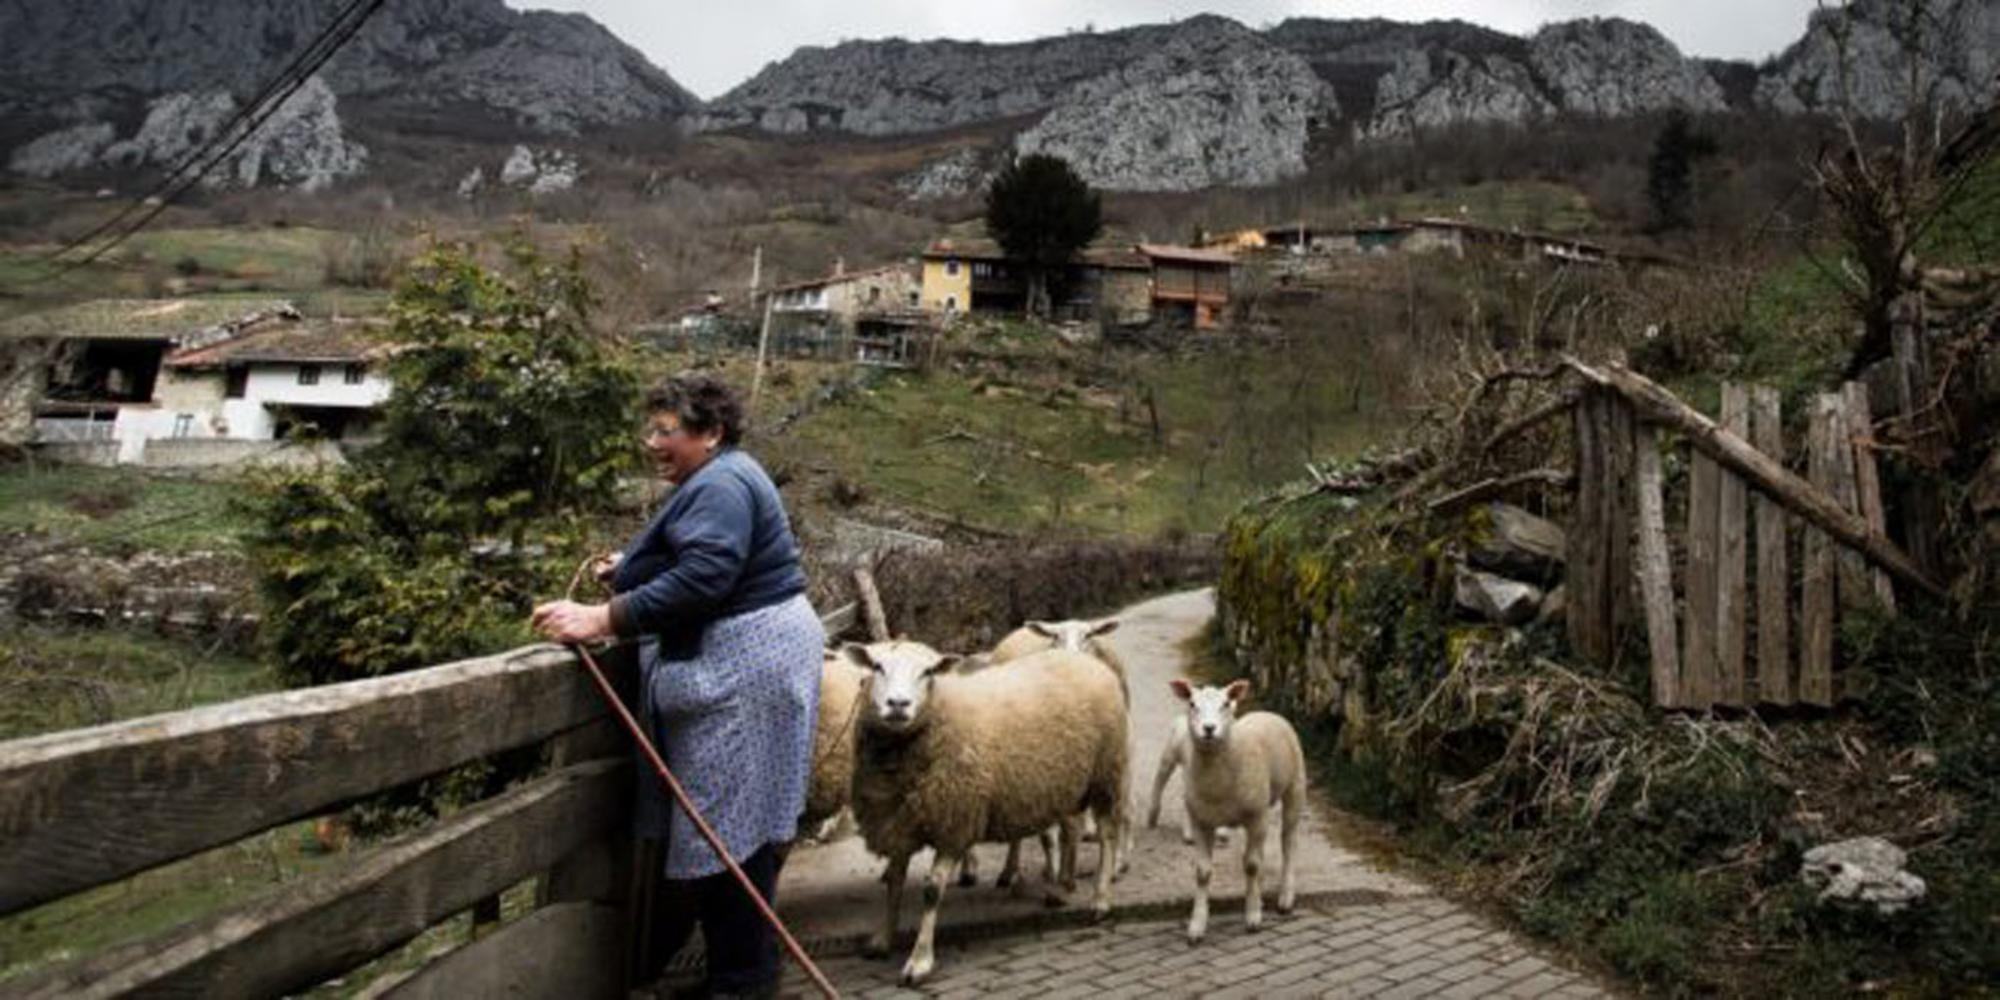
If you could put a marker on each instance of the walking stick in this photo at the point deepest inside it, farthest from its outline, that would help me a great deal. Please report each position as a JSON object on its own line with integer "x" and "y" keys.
{"x": 707, "y": 832}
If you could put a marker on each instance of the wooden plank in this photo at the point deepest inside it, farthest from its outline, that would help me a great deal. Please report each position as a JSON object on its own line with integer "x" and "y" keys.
{"x": 304, "y": 933}
{"x": 209, "y": 776}
{"x": 1853, "y": 588}
{"x": 1868, "y": 481}
{"x": 1617, "y": 520}
{"x": 1921, "y": 509}
{"x": 1774, "y": 582}
{"x": 1764, "y": 474}
{"x": 1732, "y": 560}
{"x": 1655, "y": 569}
{"x": 1699, "y": 678}
{"x": 1817, "y": 601}
{"x": 566, "y": 950}
{"x": 871, "y": 605}
{"x": 1584, "y": 571}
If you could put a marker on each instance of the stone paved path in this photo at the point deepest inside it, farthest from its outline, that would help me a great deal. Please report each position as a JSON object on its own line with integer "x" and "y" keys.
{"x": 1359, "y": 931}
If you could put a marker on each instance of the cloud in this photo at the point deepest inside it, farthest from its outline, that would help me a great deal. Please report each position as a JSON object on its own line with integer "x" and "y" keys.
{"x": 712, "y": 47}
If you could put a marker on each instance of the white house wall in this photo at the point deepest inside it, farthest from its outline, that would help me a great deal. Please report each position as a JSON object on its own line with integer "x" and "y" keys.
{"x": 280, "y": 384}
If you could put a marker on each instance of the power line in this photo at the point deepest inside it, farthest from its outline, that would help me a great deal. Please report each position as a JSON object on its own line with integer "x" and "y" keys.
{"x": 300, "y": 70}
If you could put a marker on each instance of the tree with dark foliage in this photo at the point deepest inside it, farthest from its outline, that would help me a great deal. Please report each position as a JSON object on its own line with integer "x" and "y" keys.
{"x": 1041, "y": 213}
{"x": 1670, "y": 173}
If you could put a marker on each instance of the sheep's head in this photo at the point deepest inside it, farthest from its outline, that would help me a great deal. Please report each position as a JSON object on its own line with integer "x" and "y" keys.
{"x": 1210, "y": 710}
{"x": 1073, "y": 635}
{"x": 900, "y": 674}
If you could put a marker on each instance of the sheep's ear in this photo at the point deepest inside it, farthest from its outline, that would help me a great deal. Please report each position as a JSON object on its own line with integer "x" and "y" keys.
{"x": 1105, "y": 627}
{"x": 1043, "y": 629}
{"x": 1181, "y": 689}
{"x": 1237, "y": 690}
{"x": 944, "y": 663}
{"x": 857, "y": 654}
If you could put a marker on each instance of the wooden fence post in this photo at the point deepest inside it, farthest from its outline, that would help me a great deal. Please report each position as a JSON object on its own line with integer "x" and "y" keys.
{"x": 1817, "y": 603}
{"x": 1774, "y": 580}
{"x": 1867, "y": 480}
{"x": 1920, "y": 505}
{"x": 1732, "y": 553}
{"x": 1699, "y": 667}
{"x": 1655, "y": 569}
{"x": 1586, "y": 577}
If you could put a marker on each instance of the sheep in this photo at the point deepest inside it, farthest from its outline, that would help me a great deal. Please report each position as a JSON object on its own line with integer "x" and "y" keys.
{"x": 946, "y": 760}
{"x": 840, "y": 683}
{"x": 1237, "y": 770}
{"x": 1076, "y": 636}
{"x": 1172, "y": 756}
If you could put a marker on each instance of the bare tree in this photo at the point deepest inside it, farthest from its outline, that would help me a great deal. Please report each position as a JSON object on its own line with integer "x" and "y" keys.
{"x": 1885, "y": 198}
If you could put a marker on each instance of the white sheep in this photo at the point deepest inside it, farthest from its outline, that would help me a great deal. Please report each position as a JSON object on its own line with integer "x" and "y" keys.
{"x": 840, "y": 681}
{"x": 947, "y": 760}
{"x": 1172, "y": 756}
{"x": 1076, "y": 636}
{"x": 1237, "y": 769}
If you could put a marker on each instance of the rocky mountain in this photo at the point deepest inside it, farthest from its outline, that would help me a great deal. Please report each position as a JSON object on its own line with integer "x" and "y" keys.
{"x": 1214, "y": 106}
{"x": 75, "y": 69}
{"x": 1960, "y": 44}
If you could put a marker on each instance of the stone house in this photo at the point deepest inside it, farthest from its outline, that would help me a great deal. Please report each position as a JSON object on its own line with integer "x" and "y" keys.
{"x": 839, "y": 299}
{"x": 1189, "y": 284}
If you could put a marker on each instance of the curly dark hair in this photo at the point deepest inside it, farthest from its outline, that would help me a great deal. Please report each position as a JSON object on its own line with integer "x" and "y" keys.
{"x": 702, "y": 402}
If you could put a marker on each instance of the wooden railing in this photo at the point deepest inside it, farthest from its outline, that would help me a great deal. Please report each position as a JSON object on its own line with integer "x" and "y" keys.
{"x": 88, "y": 807}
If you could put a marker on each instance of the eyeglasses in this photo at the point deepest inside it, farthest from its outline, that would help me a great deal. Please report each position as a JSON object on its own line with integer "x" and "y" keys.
{"x": 657, "y": 433}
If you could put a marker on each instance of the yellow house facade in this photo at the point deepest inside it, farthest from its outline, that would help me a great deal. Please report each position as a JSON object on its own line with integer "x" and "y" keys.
{"x": 948, "y": 270}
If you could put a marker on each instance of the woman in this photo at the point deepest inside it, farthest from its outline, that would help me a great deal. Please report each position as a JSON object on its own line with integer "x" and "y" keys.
{"x": 731, "y": 653}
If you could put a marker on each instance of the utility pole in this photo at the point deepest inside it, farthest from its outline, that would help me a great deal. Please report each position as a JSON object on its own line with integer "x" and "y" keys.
{"x": 756, "y": 272}
{"x": 763, "y": 344}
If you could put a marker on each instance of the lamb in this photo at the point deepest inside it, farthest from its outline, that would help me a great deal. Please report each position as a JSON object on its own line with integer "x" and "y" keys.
{"x": 1172, "y": 756}
{"x": 840, "y": 682}
{"x": 1076, "y": 636}
{"x": 946, "y": 760}
{"x": 1237, "y": 770}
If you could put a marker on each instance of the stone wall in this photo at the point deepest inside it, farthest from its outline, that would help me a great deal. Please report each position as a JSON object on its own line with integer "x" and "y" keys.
{"x": 205, "y": 453}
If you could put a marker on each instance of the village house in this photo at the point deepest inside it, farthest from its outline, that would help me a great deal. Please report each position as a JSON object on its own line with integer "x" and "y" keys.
{"x": 1188, "y": 284}
{"x": 1113, "y": 283}
{"x": 188, "y": 381}
{"x": 838, "y": 299}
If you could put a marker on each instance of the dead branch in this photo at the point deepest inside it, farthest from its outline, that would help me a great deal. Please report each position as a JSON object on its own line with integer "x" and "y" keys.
{"x": 1500, "y": 485}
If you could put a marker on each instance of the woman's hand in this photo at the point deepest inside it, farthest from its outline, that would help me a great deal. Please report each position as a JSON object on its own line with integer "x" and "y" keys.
{"x": 568, "y": 621}
{"x": 605, "y": 565}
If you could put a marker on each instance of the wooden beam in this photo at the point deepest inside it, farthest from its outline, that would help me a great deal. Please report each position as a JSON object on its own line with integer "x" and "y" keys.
{"x": 208, "y": 776}
{"x": 1774, "y": 574}
{"x": 1854, "y": 589}
{"x": 1732, "y": 561}
{"x": 871, "y": 605}
{"x": 1655, "y": 569}
{"x": 1763, "y": 474}
{"x": 566, "y": 950}
{"x": 1617, "y": 519}
{"x": 302, "y": 934}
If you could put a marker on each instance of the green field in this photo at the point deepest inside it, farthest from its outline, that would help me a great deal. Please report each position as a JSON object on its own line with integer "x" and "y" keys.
{"x": 117, "y": 509}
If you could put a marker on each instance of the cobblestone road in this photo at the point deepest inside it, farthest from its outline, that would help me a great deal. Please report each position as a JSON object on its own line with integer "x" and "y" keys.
{"x": 1423, "y": 947}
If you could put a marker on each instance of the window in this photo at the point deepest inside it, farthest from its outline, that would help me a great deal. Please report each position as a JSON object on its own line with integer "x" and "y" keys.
{"x": 183, "y": 424}
{"x": 951, "y": 303}
{"x": 875, "y": 293}
{"x": 238, "y": 384}
{"x": 308, "y": 374}
{"x": 981, "y": 269}
{"x": 354, "y": 374}
{"x": 914, "y": 300}
{"x": 951, "y": 268}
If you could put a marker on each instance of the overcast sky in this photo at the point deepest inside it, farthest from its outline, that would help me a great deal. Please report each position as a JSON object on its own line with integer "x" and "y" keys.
{"x": 713, "y": 45}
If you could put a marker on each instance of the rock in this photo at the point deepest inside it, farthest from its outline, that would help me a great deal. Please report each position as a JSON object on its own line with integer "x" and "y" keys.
{"x": 78, "y": 147}
{"x": 1495, "y": 598}
{"x": 542, "y": 172}
{"x": 1218, "y": 108}
{"x": 1863, "y": 870}
{"x": 1554, "y": 606}
{"x": 1962, "y": 57}
{"x": 1611, "y": 66}
{"x": 299, "y": 144}
{"x": 964, "y": 172}
{"x": 556, "y": 73}
{"x": 1429, "y": 90}
{"x": 1519, "y": 544}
